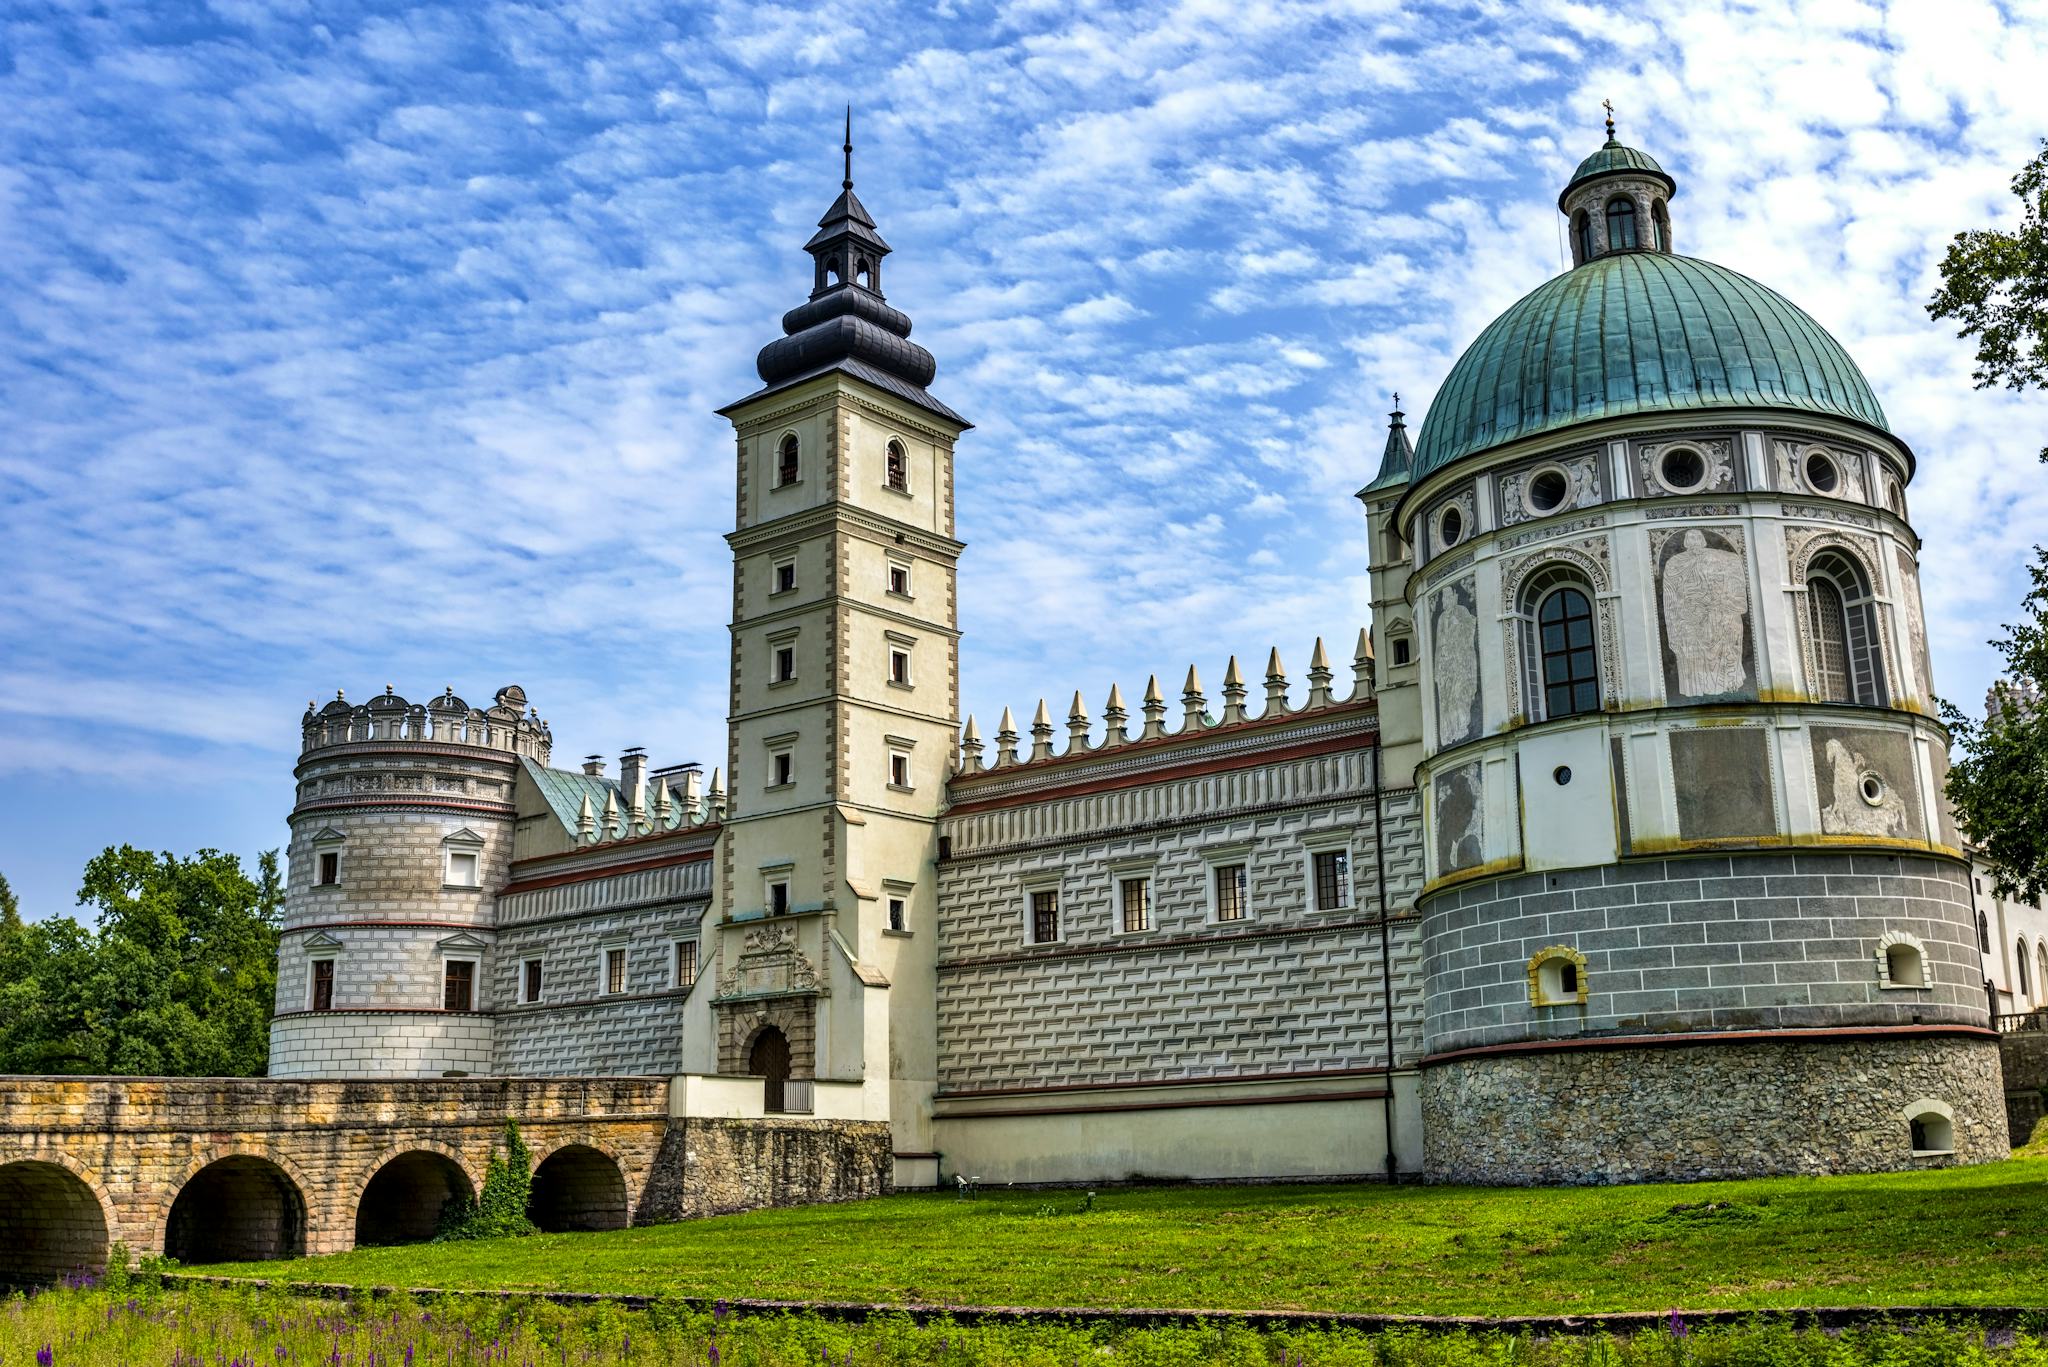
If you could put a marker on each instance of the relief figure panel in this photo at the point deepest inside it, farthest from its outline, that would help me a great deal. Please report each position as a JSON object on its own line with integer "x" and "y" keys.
{"x": 1459, "y": 796}
{"x": 1866, "y": 783}
{"x": 1454, "y": 660}
{"x": 1703, "y": 607}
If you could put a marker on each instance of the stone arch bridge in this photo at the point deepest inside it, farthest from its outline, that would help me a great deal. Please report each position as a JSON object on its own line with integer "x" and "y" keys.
{"x": 226, "y": 1169}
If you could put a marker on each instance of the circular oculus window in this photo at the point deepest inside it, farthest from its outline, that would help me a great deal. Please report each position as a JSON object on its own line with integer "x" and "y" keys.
{"x": 1682, "y": 470}
{"x": 1450, "y": 526}
{"x": 1872, "y": 788}
{"x": 1548, "y": 488}
{"x": 1821, "y": 472}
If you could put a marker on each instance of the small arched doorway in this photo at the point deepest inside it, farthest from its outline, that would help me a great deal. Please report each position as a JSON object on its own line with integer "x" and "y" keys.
{"x": 51, "y": 1225}
{"x": 577, "y": 1188}
{"x": 769, "y": 1061}
{"x": 405, "y": 1200}
{"x": 237, "y": 1210}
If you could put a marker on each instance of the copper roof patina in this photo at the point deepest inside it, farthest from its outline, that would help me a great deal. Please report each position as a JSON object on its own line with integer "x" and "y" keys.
{"x": 1638, "y": 332}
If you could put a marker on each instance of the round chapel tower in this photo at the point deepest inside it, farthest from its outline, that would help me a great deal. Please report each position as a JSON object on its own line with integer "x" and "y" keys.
{"x": 1695, "y": 905}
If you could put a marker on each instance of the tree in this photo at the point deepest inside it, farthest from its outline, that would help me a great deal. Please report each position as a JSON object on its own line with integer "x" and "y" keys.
{"x": 1996, "y": 285}
{"x": 1999, "y": 782}
{"x": 176, "y": 978}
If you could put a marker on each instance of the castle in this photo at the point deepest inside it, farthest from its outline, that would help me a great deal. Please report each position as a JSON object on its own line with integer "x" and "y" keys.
{"x": 1616, "y": 850}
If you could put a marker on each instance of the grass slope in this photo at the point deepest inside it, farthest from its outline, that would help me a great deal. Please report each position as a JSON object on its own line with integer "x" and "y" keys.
{"x": 1965, "y": 1236}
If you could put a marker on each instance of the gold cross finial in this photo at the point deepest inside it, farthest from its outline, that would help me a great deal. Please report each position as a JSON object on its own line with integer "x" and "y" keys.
{"x": 1608, "y": 105}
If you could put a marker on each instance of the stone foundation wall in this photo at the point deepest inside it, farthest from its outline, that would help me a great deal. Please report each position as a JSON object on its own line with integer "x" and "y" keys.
{"x": 1705, "y": 1110}
{"x": 716, "y": 1167}
{"x": 388, "y": 1044}
{"x": 2024, "y": 1056}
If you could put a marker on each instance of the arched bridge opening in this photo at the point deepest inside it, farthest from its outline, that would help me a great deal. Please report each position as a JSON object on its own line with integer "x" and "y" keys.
{"x": 405, "y": 1201}
{"x": 234, "y": 1210}
{"x": 51, "y": 1225}
{"x": 578, "y": 1188}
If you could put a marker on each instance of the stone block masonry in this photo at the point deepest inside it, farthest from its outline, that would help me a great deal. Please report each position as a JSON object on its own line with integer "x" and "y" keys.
{"x": 1682, "y": 1111}
{"x": 2024, "y": 1054}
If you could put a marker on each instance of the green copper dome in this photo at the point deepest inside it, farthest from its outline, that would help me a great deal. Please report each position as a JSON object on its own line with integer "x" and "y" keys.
{"x": 1613, "y": 157}
{"x": 1638, "y": 332}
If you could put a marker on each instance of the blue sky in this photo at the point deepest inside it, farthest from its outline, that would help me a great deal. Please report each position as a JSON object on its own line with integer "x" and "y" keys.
{"x": 351, "y": 346}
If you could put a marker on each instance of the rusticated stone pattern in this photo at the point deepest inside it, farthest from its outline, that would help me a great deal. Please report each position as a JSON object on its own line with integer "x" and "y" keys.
{"x": 1707, "y": 1110}
{"x": 2024, "y": 1054}
{"x": 128, "y": 1146}
{"x": 1288, "y": 989}
{"x": 394, "y": 1044}
{"x": 1710, "y": 942}
{"x": 716, "y": 1167}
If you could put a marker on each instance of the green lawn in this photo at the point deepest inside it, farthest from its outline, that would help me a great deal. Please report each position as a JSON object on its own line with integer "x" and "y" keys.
{"x": 1967, "y": 1236}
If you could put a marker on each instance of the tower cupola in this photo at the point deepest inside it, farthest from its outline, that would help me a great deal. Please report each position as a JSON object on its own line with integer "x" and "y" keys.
{"x": 845, "y": 325}
{"x": 1618, "y": 200}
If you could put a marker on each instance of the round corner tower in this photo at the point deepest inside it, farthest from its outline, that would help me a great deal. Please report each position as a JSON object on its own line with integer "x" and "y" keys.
{"x": 1695, "y": 903}
{"x": 401, "y": 834}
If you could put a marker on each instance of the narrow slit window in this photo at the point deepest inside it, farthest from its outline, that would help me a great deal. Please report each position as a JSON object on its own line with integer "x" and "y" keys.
{"x": 1137, "y": 900}
{"x": 458, "y": 985}
{"x": 899, "y": 913}
{"x": 778, "y": 899}
{"x": 899, "y": 770}
{"x": 686, "y": 963}
{"x": 323, "y": 984}
{"x": 1045, "y": 917}
{"x": 899, "y": 667}
{"x": 614, "y": 971}
{"x": 1230, "y": 892}
{"x": 531, "y": 987}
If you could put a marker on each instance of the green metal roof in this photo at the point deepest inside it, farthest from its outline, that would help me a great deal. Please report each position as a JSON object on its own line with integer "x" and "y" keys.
{"x": 1396, "y": 460}
{"x": 1638, "y": 332}
{"x": 565, "y": 790}
{"x": 1613, "y": 157}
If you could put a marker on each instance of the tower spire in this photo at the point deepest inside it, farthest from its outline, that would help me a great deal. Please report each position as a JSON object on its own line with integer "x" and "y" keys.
{"x": 1607, "y": 105}
{"x": 847, "y": 183}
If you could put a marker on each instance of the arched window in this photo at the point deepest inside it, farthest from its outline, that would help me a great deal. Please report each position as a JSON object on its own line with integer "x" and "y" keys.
{"x": 1660, "y": 226}
{"x": 1621, "y": 223}
{"x": 1842, "y": 623}
{"x": 1582, "y": 236}
{"x": 787, "y": 468}
{"x": 1565, "y": 660}
{"x": 863, "y": 274}
{"x": 2041, "y": 959}
{"x": 2020, "y": 978}
{"x": 1983, "y": 933}
{"x": 898, "y": 473}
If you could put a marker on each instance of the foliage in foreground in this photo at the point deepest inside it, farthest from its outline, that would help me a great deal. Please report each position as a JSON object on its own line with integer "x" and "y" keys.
{"x": 176, "y": 977}
{"x": 1995, "y": 283}
{"x": 1999, "y": 782}
{"x": 213, "y": 1329}
{"x": 499, "y": 1211}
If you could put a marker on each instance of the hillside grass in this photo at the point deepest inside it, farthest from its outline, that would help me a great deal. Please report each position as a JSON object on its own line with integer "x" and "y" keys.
{"x": 1964, "y": 1236}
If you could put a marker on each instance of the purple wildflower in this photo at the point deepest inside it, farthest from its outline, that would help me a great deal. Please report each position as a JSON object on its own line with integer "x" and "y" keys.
{"x": 45, "y": 1356}
{"x": 1677, "y": 1325}
{"x": 714, "y": 1355}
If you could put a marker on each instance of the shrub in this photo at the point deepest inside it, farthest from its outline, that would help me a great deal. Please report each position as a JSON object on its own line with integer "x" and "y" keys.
{"x": 499, "y": 1210}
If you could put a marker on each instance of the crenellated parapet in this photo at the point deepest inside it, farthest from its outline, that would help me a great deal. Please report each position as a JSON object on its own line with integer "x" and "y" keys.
{"x": 1152, "y": 725}
{"x": 509, "y": 723}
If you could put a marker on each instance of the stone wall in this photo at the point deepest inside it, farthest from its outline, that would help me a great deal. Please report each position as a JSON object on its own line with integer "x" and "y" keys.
{"x": 1682, "y": 1112}
{"x": 279, "y": 1165}
{"x": 366, "y": 1044}
{"x": 1289, "y": 988}
{"x": 2024, "y": 1056}
{"x": 718, "y": 1166}
{"x": 1740, "y": 941}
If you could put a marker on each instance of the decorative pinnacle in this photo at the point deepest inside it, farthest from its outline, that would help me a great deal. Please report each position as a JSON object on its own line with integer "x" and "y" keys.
{"x": 1116, "y": 697}
{"x": 1232, "y": 678}
{"x": 1043, "y": 717}
{"x": 1274, "y": 669}
{"x": 1364, "y": 651}
{"x": 1320, "y": 659}
{"x": 1008, "y": 723}
{"x": 1607, "y": 105}
{"x": 1079, "y": 711}
{"x": 970, "y": 734}
{"x": 847, "y": 184}
{"x": 1194, "y": 683}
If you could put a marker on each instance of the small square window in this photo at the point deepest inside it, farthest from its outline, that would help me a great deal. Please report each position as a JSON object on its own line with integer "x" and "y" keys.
{"x": 1045, "y": 916}
{"x": 330, "y": 868}
{"x": 1230, "y": 890}
{"x": 778, "y": 899}
{"x": 899, "y": 667}
{"x": 899, "y": 913}
{"x": 785, "y": 577}
{"x": 1401, "y": 650}
{"x": 899, "y": 770}
{"x": 462, "y": 868}
{"x": 323, "y": 984}
{"x": 686, "y": 963}
{"x": 614, "y": 971}
{"x": 1333, "y": 879}
{"x": 785, "y": 664}
{"x": 1137, "y": 904}
{"x": 782, "y": 769}
{"x": 899, "y": 580}
{"x": 530, "y": 986}
{"x": 458, "y": 985}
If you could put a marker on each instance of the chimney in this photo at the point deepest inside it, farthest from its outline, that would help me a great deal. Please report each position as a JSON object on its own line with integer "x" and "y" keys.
{"x": 593, "y": 765}
{"x": 633, "y": 778}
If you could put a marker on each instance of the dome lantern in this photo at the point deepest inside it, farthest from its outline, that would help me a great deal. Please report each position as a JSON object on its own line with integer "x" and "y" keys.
{"x": 1617, "y": 200}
